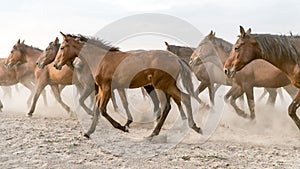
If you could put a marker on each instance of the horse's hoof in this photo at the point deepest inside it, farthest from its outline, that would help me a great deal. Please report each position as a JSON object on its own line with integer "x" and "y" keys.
{"x": 73, "y": 114}
{"x": 197, "y": 129}
{"x": 29, "y": 115}
{"x": 252, "y": 121}
{"x": 126, "y": 129}
{"x": 86, "y": 136}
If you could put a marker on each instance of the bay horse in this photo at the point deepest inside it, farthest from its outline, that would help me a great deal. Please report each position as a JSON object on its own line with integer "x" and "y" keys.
{"x": 279, "y": 50}
{"x": 24, "y": 54}
{"x": 119, "y": 70}
{"x": 84, "y": 77}
{"x": 257, "y": 74}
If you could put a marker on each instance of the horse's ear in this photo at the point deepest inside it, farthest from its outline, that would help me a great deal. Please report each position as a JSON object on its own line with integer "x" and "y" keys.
{"x": 242, "y": 31}
{"x": 166, "y": 43}
{"x": 23, "y": 42}
{"x": 248, "y": 31}
{"x": 211, "y": 34}
{"x": 18, "y": 41}
{"x": 56, "y": 40}
{"x": 64, "y": 36}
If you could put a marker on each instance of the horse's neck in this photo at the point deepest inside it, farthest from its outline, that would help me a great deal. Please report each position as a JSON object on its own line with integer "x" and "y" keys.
{"x": 222, "y": 54}
{"x": 32, "y": 56}
{"x": 92, "y": 57}
{"x": 287, "y": 66}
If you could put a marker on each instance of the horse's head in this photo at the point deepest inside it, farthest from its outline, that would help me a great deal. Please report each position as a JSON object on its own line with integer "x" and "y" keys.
{"x": 16, "y": 55}
{"x": 204, "y": 51}
{"x": 243, "y": 52}
{"x": 49, "y": 54}
{"x": 69, "y": 49}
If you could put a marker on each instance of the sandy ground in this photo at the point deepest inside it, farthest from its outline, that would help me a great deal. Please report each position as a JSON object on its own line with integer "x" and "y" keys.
{"x": 51, "y": 139}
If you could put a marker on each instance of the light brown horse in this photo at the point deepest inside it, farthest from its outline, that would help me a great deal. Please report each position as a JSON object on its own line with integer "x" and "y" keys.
{"x": 19, "y": 74}
{"x": 119, "y": 70}
{"x": 281, "y": 51}
{"x": 85, "y": 88}
{"x": 22, "y": 54}
{"x": 256, "y": 74}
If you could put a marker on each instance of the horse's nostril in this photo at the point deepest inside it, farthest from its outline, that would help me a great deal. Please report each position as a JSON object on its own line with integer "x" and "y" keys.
{"x": 37, "y": 63}
{"x": 226, "y": 71}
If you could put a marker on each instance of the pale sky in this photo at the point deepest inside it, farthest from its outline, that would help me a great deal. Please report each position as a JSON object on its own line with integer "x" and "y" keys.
{"x": 39, "y": 22}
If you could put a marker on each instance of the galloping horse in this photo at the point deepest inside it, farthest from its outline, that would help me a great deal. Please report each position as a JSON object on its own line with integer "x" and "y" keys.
{"x": 279, "y": 50}
{"x": 85, "y": 88}
{"x": 256, "y": 74}
{"x": 19, "y": 74}
{"x": 119, "y": 70}
{"x": 22, "y": 54}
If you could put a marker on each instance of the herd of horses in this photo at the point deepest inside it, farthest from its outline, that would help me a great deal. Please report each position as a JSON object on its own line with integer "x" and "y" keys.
{"x": 97, "y": 69}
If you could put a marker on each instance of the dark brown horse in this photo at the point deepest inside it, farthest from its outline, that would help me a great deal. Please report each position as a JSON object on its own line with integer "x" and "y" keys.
{"x": 22, "y": 54}
{"x": 279, "y": 50}
{"x": 256, "y": 74}
{"x": 119, "y": 70}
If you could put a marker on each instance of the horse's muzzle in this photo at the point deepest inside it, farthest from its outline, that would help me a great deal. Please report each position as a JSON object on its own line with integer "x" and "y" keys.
{"x": 8, "y": 65}
{"x": 40, "y": 65}
{"x": 58, "y": 66}
{"x": 229, "y": 72}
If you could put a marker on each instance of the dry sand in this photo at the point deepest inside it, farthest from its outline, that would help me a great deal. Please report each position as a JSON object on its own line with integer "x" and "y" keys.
{"x": 51, "y": 139}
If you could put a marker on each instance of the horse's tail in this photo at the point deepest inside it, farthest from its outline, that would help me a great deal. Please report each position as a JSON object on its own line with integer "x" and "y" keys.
{"x": 186, "y": 76}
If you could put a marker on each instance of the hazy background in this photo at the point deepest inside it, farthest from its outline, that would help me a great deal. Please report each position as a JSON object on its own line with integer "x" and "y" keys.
{"x": 39, "y": 22}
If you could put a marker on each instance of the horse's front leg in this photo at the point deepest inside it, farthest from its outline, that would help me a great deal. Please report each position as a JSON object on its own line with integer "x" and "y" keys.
{"x": 250, "y": 100}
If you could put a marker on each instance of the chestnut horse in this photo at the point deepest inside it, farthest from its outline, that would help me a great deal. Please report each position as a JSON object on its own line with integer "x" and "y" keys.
{"x": 119, "y": 70}
{"x": 85, "y": 88}
{"x": 216, "y": 50}
{"x": 279, "y": 50}
{"x": 22, "y": 54}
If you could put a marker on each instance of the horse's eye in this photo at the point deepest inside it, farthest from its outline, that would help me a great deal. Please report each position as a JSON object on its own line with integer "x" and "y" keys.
{"x": 61, "y": 48}
{"x": 237, "y": 48}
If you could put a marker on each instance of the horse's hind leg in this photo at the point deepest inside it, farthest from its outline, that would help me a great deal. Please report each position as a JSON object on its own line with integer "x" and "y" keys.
{"x": 56, "y": 93}
{"x": 125, "y": 105}
{"x": 292, "y": 109}
{"x": 153, "y": 95}
{"x": 177, "y": 95}
{"x": 163, "y": 117}
{"x": 102, "y": 100}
